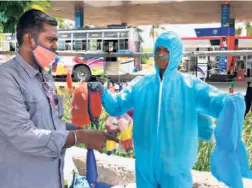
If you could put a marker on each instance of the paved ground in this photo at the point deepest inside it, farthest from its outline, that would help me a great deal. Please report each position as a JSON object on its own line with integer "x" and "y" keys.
{"x": 106, "y": 163}
{"x": 239, "y": 86}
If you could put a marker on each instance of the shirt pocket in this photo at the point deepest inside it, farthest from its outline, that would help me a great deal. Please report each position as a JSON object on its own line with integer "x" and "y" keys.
{"x": 34, "y": 101}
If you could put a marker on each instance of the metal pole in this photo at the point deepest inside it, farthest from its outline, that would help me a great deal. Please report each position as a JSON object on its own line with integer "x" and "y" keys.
{"x": 208, "y": 67}
{"x": 196, "y": 67}
{"x": 149, "y": 54}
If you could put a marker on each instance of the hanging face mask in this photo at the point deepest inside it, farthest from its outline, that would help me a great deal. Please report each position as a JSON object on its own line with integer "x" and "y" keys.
{"x": 44, "y": 56}
{"x": 162, "y": 57}
{"x": 162, "y": 61}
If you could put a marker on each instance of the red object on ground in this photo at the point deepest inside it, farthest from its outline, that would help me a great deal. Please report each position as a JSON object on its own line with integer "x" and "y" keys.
{"x": 240, "y": 75}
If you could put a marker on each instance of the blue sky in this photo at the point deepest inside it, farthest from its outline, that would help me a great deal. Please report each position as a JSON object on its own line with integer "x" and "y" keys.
{"x": 183, "y": 30}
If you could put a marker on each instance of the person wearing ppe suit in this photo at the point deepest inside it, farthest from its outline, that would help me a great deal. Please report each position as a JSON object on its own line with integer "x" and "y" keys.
{"x": 166, "y": 114}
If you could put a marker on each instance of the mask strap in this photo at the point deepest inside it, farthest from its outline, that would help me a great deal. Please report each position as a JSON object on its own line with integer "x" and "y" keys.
{"x": 37, "y": 43}
{"x": 35, "y": 40}
{"x": 36, "y": 61}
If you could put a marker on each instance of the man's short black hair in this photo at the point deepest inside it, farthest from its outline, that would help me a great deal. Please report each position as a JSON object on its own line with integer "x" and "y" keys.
{"x": 32, "y": 21}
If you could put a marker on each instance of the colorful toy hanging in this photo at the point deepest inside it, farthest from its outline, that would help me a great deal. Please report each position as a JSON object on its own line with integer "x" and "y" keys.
{"x": 112, "y": 129}
{"x": 120, "y": 127}
{"x": 125, "y": 125}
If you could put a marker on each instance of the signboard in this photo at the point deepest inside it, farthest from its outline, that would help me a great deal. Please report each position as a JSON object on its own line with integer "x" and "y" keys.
{"x": 227, "y": 31}
{"x": 64, "y": 35}
{"x": 79, "y": 35}
{"x": 203, "y": 32}
{"x": 110, "y": 35}
{"x": 213, "y": 32}
{"x": 124, "y": 34}
{"x": 95, "y": 35}
{"x": 225, "y": 15}
{"x": 223, "y": 61}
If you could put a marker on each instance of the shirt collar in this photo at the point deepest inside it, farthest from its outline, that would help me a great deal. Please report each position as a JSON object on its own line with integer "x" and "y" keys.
{"x": 26, "y": 66}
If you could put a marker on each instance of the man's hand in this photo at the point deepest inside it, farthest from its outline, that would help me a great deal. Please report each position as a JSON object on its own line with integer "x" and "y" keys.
{"x": 94, "y": 139}
{"x": 96, "y": 86}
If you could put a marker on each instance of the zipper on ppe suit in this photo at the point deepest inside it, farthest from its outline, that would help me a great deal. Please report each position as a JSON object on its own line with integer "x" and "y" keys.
{"x": 159, "y": 105}
{"x": 158, "y": 124}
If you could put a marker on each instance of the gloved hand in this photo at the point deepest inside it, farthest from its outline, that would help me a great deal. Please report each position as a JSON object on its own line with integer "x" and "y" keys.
{"x": 96, "y": 86}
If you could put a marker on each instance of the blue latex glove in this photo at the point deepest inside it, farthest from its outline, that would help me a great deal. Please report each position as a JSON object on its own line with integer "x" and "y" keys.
{"x": 205, "y": 127}
{"x": 96, "y": 86}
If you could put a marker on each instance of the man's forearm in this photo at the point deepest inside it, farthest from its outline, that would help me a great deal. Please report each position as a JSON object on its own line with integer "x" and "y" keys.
{"x": 76, "y": 137}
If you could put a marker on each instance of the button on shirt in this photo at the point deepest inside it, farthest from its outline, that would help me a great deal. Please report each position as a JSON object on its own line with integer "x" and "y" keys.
{"x": 32, "y": 133}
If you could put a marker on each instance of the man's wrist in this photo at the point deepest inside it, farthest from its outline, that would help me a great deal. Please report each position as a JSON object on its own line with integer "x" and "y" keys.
{"x": 82, "y": 136}
{"x": 70, "y": 139}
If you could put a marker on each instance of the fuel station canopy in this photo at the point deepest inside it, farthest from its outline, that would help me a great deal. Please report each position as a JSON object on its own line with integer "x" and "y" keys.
{"x": 153, "y": 12}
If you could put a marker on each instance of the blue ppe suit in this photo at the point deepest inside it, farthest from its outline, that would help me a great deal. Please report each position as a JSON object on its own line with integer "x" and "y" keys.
{"x": 166, "y": 111}
{"x": 229, "y": 159}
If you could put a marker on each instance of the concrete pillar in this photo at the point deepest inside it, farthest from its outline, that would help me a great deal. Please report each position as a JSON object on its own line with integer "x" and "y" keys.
{"x": 79, "y": 15}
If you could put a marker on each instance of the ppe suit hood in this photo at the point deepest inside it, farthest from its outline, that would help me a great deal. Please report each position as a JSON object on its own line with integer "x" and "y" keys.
{"x": 174, "y": 44}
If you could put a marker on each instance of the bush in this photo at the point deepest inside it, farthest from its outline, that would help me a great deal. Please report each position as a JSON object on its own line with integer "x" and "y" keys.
{"x": 145, "y": 60}
{"x": 247, "y": 136}
{"x": 204, "y": 151}
{"x": 203, "y": 157}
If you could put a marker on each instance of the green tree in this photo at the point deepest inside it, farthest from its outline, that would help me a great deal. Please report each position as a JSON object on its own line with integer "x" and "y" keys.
{"x": 1, "y": 28}
{"x": 139, "y": 31}
{"x": 62, "y": 24}
{"x": 42, "y": 5}
{"x": 238, "y": 31}
{"x": 2, "y": 38}
{"x": 155, "y": 30}
{"x": 10, "y": 11}
{"x": 248, "y": 28}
